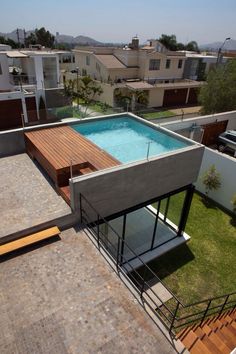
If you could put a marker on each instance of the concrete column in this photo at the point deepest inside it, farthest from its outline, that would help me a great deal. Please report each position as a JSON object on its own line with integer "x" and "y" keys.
{"x": 24, "y": 108}
{"x": 187, "y": 95}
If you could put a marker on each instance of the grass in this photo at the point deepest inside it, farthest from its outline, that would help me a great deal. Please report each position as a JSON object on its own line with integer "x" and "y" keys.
{"x": 206, "y": 266}
{"x": 155, "y": 115}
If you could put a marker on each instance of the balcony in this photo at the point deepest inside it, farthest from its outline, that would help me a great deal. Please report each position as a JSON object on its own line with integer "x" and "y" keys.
{"x": 23, "y": 81}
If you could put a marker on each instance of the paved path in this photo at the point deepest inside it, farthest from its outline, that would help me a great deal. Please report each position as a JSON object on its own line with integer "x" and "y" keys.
{"x": 63, "y": 298}
{"x": 26, "y": 197}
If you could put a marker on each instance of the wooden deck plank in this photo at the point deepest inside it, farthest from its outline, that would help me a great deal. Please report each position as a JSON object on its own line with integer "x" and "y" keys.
{"x": 56, "y": 147}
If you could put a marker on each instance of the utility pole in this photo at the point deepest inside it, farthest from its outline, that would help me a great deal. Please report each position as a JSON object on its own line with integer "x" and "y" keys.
{"x": 18, "y": 36}
{"x": 24, "y": 33}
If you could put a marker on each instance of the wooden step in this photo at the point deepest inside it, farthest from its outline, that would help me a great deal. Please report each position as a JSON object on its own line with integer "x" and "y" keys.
{"x": 226, "y": 337}
{"x": 221, "y": 345}
{"x": 29, "y": 240}
{"x": 200, "y": 348}
{"x": 211, "y": 346}
{"x": 215, "y": 324}
{"x": 190, "y": 339}
{"x": 231, "y": 329}
{"x": 65, "y": 193}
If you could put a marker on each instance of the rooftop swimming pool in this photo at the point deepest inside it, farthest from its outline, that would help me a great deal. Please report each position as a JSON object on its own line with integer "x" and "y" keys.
{"x": 128, "y": 139}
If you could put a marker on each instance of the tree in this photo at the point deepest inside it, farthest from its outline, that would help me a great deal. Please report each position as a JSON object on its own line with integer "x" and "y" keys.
{"x": 219, "y": 93}
{"x": 41, "y": 36}
{"x": 192, "y": 46}
{"x": 31, "y": 39}
{"x": 170, "y": 42}
{"x": 211, "y": 179}
{"x": 84, "y": 89}
{"x": 10, "y": 42}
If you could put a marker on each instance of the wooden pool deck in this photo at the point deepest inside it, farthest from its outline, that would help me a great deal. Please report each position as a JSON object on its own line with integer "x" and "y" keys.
{"x": 57, "y": 148}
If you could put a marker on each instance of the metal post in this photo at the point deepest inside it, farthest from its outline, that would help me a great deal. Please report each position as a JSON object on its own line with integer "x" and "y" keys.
{"x": 98, "y": 230}
{"x": 118, "y": 255}
{"x": 205, "y": 313}
{"x": 167, "y": 208}
{"x": 123, "y": 239}
{"x": 155, "y": 226}
{"x": 143, "y": 283}
{"x": 148, "y": 149}
{"x": 174, "y": 317}
{"x": 23, "y": 121}
{"x": 185, "y": 210}
{"x": 223, "y": 306}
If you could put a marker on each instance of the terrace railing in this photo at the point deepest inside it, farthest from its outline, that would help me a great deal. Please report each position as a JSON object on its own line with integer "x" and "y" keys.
{"x": 173, "y": 314}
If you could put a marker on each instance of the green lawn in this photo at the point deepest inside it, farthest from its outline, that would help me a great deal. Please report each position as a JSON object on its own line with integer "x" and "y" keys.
{"x": 206, "y": 266}
{"x": 155, "y": 115}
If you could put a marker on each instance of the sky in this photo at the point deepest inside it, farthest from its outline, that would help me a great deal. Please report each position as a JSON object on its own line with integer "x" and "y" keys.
{"x": 205, "y": 21}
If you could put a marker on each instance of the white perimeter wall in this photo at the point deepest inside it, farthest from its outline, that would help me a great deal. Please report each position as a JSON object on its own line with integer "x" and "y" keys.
{"x": 226, "y": 166}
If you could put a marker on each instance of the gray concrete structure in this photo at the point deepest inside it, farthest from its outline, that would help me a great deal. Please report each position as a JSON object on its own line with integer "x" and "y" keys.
{"x": 26, "y": 196}
{"x": 122, "y": 187}
{"x": 63, "y": 298}
{"x": 12, "y": 142}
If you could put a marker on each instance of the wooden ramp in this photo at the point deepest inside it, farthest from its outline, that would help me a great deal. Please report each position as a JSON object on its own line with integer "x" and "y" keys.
{"x": 56, "y": 148}
{"x": 28, "y": 240}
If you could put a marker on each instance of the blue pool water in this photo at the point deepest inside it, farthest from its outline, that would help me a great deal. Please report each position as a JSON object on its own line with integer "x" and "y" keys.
{"x": 127, "y": 139}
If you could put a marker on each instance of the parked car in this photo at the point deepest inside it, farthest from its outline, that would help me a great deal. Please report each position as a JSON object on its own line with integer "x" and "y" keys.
{"x": 227, "y": 140}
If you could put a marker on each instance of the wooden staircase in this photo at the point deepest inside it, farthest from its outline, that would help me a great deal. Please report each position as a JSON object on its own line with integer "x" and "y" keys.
{"x": 216, "y": 335}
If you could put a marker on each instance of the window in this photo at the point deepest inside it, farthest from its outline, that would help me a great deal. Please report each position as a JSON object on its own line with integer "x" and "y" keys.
{"x": 84, "y": 72}
{"x": 180, "y": 63}
{"x": 87, "y": 60}
{"x": 0, "y": 69}
{"x": 154, "y": 64}
{"x": 98, "y": 67}
{"x": 167, "y": 63}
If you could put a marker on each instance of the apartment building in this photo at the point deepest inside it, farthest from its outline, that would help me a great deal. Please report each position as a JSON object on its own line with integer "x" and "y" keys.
{"x": 27, "y": 78}
{"x": 151, "y": 69}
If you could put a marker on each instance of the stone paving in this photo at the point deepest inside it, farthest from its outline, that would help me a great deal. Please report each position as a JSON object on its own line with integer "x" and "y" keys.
{"x": 26, "y": 197}
{"x": 63, "y": 298}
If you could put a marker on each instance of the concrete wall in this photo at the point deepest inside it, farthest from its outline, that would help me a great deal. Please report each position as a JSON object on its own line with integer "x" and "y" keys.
{"x": 163, "y": 73}
{"x": 185, "y": 125}
{"x": 128, "y": 57}
{"x": 156, "y": 96}
{"x": 108, "y": 94}
{"x": 226, "y": 166}
{"x": 116, "y": 189}
{"x": 12, "y": 142}
{"x": 4, "y": 74}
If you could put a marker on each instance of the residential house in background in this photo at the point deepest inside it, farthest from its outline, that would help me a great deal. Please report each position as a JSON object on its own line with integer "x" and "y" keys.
{"x": 29, "y": 80}
{"x": 152, "y": 69}
{"x": 197, "y": 66}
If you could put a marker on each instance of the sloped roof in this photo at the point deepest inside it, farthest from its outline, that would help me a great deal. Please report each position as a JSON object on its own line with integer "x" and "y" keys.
{"x": 139, "y": 85}
{"x": 110, "y": 61}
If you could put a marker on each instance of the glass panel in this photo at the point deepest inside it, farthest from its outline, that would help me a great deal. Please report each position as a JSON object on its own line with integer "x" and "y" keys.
{"x": 139, "y": 232}
{"x": 109, "y": 237}
{"x": 175, "y": 207}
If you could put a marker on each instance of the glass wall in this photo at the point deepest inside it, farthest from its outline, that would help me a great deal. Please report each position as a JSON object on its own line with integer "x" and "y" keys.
{"x": 146, "y": 228}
